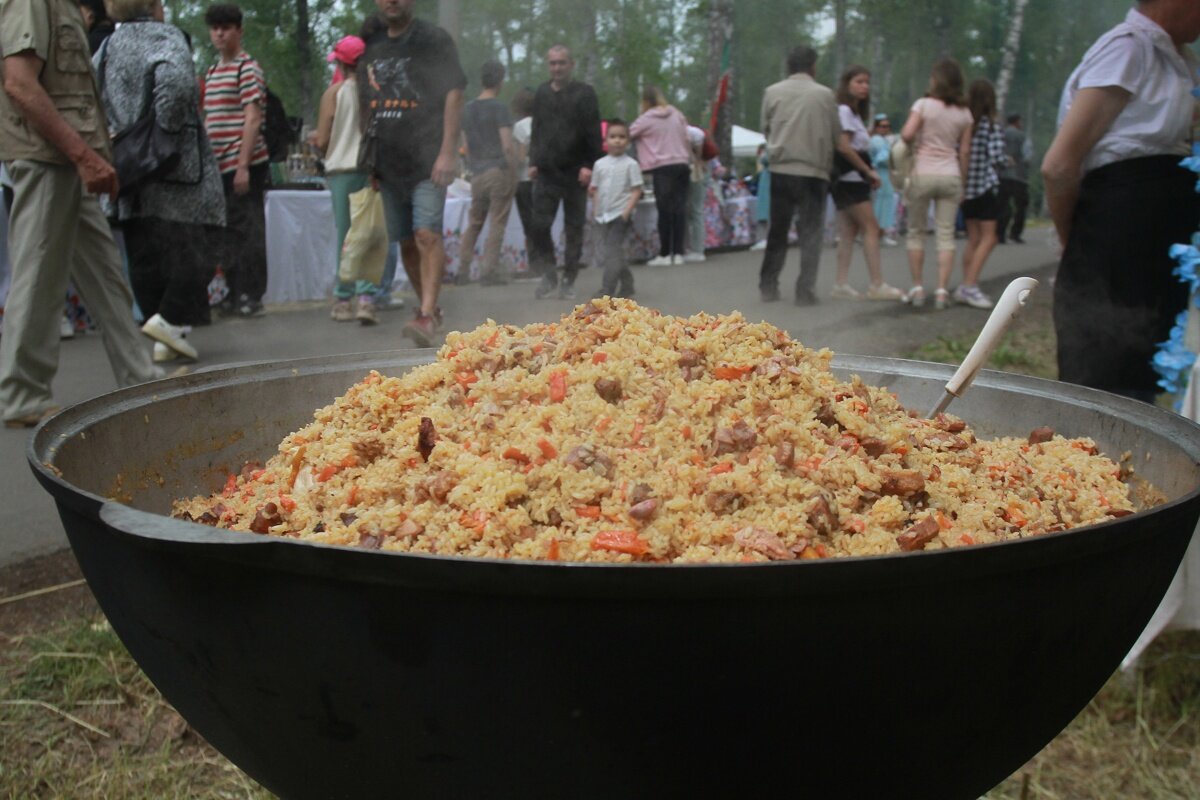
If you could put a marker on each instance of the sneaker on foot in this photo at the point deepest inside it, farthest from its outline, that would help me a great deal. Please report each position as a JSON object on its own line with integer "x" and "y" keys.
{"x": 660, "y": 261}
{"x": 249, "y": 308}
{"x": 761, "y": 244}
{"x": 884, "y": 292}
{"x": 163, "y": 353}
{"x": 342, "y": 311}
{"x": 420, "y": 330}
{"x": 366, "y": 310}
{"x": 566, "y": 291}
{"x": 806, "y": 297}
{"x": 845, "y": 291}
{"x": 694, "y": 258}
{"x": 915, "y": 297}
{"x": 546, "y": 287}
{"x": 888, "y": 241}
{"x": 66, "y": 330}
{"x": 387, "y": 302}
{"x": 972, "y": 296}
{"x": 770, "y": 295}
{"x": 941, "y": 299}
{"x": 173, "y": 336}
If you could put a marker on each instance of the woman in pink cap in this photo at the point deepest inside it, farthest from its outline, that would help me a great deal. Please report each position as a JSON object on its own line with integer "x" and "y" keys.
{"x": 337, "y": 136}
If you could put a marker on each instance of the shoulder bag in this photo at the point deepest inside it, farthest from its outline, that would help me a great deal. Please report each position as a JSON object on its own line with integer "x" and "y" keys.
{"x": 143, "y": 151}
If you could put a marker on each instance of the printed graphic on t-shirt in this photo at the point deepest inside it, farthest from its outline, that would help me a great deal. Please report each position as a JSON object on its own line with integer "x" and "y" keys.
{"x": 393, "y": 90}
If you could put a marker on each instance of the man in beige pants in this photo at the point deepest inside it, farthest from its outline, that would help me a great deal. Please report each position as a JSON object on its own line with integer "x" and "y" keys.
{"x": 54, "y": 142}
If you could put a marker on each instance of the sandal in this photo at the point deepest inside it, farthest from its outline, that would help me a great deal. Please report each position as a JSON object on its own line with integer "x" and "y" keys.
{"x": 915, "y": 297}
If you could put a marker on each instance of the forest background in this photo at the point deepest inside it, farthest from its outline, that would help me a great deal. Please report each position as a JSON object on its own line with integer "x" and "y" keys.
{"x": 1027, "y": 48}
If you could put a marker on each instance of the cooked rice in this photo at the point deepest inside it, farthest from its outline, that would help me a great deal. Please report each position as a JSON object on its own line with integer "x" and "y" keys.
{"x": 619, "y": 434}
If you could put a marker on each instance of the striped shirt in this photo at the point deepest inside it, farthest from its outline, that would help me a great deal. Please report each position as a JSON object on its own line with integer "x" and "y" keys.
{"x": 228, "y": 89}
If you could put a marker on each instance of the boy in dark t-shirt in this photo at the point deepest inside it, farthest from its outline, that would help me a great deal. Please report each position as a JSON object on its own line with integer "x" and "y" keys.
{"x": 411, "y": 93}
{"x": 487, "y": 125}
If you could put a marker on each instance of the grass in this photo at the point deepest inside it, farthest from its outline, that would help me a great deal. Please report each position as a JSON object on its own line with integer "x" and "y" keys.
{"x": 79, "y": 719}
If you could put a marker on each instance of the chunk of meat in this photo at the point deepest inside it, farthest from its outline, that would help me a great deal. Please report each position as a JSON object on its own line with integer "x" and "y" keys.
{"x": 370, "y": 542}
{"x": 1042, "y": 434}
{"x": 689, "y": 358}
{"x": 873, "y": 446}
{"x": 774, "y": 366}
{"x": 267, "y": 517}
{"x": 723, "y": 502}
{"x": 949, "y": 424}
{"x": 919, "y": 535}
{"x": 586, "y": 456}
{"x": 439, "y": 486}
{"x": 660, "y": 406}
{"x": 609, "y": 389}
{"x": 348, "y": 518}
{"x": 763, "y": 541}
{"x": 1117, "y": 513}
{"x": 426, "y": 438}
{"x": 946, "y": 441}
{"x": 823, "y": 516}
{"x": 368, "y": 450}
{"x": 738, "y": 439}
{"x": 640, "y": 492}
{"x": 408, "y": 529}
{"x": 826, "y": 416}
{"x": 644, "y": 510}
{"x": 902, "y": 483}
{"x": 785, "y": 454}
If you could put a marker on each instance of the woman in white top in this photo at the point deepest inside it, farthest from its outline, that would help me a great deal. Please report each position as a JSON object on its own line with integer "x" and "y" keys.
{"x": 852, "y": 189}
{"x": 939, "y": 131}
{"x": 338, "y": 135}
{"x": 1119, "y": 198}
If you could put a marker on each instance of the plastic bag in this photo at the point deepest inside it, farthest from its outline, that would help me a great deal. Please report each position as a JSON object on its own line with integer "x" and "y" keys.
{"x": 900, "y": 164}
{"x": 365, "y": 249}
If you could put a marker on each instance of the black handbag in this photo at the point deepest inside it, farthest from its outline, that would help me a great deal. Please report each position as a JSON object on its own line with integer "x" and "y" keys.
{"x": 143, "y": 151}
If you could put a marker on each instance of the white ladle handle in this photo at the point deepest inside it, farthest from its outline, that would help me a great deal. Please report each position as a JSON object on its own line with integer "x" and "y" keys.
{"x": 1015, "y": 296}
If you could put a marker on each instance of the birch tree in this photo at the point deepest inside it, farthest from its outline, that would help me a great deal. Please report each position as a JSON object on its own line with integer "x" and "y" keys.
{"x": 1012, "y": 46}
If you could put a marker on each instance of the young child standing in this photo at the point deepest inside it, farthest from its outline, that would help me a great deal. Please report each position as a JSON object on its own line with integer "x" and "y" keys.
{"x": 615, "y": 190}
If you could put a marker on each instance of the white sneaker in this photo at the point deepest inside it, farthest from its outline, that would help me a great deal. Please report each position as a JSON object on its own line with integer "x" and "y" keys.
{"x": 694, "y": 258}
{"x": 884, "y": 292}
{"x": 761, "y": 244}
{"x": 173, "y": 336}
{"x": 915, "y": 297}
{"x": 845, "y": 291}
{"x": 66, "y": 330}
{"x": 163, "y": 353}
{"x": 888, "y": 241}
{"x": 660, "y": 261}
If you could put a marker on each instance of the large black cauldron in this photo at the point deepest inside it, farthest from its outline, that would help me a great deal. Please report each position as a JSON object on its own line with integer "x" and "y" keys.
{"x": 329, "y": 672}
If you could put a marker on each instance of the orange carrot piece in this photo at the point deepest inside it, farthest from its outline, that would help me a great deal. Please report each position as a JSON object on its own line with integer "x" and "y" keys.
{"x": 603, "y": 423}
{"x": 287, "y": 503}
{"x": 589, "y": 512}
{"x": 548, "y": 449}
{"x": 686, "y": 430}
{"x": 724, "y": 466}
{"x": 327, "y": 472}
{"x": 620, "y": 541}
{"x": 513, "y": 454}
{"x": 599, "y": 357}
{"x": 552, "y": 550}
{"x": 727, "y": 373}
{"x": 639, "y": 428}
{"x": 558, "y": 386}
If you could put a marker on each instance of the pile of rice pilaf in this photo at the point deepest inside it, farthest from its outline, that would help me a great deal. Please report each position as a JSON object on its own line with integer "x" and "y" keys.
{"x": 619, "y": 434}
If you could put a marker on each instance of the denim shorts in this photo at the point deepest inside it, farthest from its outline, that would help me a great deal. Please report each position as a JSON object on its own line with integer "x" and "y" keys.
{"x": 420, "y": 209}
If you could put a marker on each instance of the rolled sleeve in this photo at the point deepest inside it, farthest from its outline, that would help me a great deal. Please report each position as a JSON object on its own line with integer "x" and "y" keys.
{"x": 24, "y": 27}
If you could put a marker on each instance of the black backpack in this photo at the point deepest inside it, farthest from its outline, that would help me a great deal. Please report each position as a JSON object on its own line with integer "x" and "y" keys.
{"x": 277, "y": 129}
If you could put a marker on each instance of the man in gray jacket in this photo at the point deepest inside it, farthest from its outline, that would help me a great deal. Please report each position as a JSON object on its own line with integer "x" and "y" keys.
{"x": 800, "y": 121}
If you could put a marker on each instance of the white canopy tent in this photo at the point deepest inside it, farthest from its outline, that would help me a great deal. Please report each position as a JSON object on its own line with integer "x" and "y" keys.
{"x": 746, "y": 142}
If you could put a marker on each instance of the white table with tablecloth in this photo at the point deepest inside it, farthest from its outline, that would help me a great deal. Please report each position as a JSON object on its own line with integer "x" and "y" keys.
{"x": 302, "y": 251}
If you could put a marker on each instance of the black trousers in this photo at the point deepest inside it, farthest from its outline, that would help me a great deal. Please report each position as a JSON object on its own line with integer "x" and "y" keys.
{"x": 547, "y": 195}
{"x": 1115, "y": 298}
{"x": 802, "y": 199}
{"x": 524, "y": 200}
{"x": 242, "y": 244}
{"x": 1014, "y": 205}
{"x": 166, "y": 269}
{"x": 670, "y": 199}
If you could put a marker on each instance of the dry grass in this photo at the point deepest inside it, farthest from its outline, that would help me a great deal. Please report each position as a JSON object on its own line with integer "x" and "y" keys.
{"x": 78, "y": 719}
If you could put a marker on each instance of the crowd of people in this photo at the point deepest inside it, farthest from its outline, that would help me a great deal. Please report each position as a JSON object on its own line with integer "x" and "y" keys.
{"x": 394, "y": 121}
